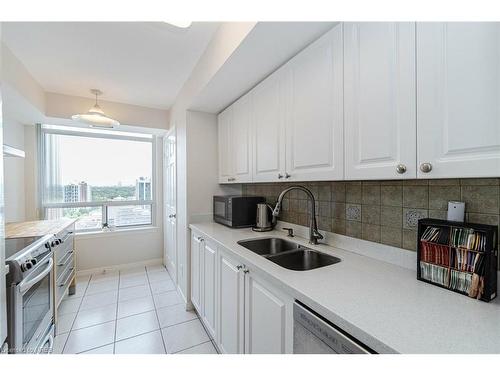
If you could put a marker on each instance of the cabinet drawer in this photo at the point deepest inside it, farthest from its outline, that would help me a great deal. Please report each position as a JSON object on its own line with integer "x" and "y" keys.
{"x": 61, "y": 250}
{"x": 63, "y": 265}
{"x": 63, "y": 282}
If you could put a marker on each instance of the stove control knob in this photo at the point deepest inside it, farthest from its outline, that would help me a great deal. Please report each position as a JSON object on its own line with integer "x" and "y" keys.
{"x": 27, "y": 265}
{"x": 33, "y": 261}
{"x": 47, "y": 245}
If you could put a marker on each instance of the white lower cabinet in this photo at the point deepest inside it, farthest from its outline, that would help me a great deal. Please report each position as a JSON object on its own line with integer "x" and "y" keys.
{"x": 268, "y": 318}
{"x": 230, "y": 300}
{"x": 196, "y": 271}
{"x": 242, "y": 312}
{"x": 209, "y": 286}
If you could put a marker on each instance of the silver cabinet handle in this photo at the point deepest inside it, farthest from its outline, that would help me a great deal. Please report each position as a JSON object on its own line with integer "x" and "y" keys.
{"x": 426, "y": 167}
{"x": 172, "y": 216}
{"x": 401, "y": 168}
{"x": 287, "y": 175}
{"x": 67, "y": 277}
{"x": 239, "y": 267}
{"x": 66, "y": 258}
{"x": 246, "y": 270}
{"x": 231, "y": 179}
{"x": 201, "y": 239}
{"x": 280, "y": 176}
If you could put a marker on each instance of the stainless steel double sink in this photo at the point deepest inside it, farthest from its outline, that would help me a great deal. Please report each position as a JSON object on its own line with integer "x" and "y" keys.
{"x": 288, "y": 254}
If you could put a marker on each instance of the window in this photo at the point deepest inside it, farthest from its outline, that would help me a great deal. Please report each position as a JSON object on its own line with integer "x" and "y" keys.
{"x": 103, "y": 178}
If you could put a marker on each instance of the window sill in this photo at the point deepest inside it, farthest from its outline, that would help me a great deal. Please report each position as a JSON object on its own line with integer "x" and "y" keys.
{"x": 116, "y": 232}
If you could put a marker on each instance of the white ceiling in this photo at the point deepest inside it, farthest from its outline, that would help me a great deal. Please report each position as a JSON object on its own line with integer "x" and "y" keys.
{"x": 268, "y": 46}
{"x": 131, "y": 62}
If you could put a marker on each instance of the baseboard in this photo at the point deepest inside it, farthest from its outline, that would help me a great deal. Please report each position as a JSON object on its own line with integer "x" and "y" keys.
{"x": 188, "y": 304}
{"x": 149, "y": 262}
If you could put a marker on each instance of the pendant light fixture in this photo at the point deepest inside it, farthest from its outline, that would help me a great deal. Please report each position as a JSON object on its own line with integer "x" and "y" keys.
{"x": 95, "y": 116}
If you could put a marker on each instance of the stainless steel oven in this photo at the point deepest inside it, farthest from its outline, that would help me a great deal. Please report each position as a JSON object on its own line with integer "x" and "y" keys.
{"x": 30, "y": 303}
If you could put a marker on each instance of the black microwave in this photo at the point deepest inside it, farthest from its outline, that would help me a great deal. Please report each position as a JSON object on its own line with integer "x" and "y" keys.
{"x": 236, "y": 211}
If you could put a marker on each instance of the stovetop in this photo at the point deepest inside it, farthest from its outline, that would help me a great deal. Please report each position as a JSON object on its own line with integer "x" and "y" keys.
{"x": 15, "y": 245}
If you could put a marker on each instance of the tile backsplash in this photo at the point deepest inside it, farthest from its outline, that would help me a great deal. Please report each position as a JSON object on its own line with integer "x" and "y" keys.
{"x": 385, "y": 211}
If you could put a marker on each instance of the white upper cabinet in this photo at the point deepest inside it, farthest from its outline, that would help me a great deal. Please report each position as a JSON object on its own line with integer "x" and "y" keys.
{"x": 241, "y": 140}
{"x": 314, "y": 113}
{"x": 458, "y": 99}
{"x": 379, "y": 100}
{"x": 224, "y": 124}
{"x": 268, "y": 129}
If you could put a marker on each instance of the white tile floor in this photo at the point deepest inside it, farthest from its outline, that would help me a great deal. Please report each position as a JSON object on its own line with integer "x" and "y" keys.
{"x": 136, "y": 311}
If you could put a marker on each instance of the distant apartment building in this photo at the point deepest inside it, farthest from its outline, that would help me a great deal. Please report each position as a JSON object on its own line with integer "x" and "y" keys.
{"x": 143, "y": 189}
{"x": 80, "y": 192}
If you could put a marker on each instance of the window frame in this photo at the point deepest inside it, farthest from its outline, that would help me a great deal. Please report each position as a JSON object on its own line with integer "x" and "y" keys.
{"x": 44, "y": 207}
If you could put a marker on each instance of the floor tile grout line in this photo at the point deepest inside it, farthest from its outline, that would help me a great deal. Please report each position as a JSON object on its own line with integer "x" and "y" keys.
{"x": 117, "y": 306}
{"x": 194, "y": 346}
{"x": 97, "y": 347}
{"x": 139, "y": 334}
{"x": 176, "y": 324}
{"x": 116, "y": 315}
{"x": 156, "y": 313}
{"x": 72, "y": 324}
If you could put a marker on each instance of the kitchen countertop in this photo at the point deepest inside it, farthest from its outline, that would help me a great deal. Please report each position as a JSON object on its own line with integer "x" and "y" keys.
{"x": 36, "y": 228}
{"x": 381, "y": 304}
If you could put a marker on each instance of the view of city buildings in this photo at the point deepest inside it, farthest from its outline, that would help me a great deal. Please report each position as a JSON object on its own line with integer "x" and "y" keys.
{"x": 91, "y": 217}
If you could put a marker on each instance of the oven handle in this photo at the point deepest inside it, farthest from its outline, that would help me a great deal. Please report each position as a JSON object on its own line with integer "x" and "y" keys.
{"x": 26, "y": 284}
{"x": 50, "y": 339}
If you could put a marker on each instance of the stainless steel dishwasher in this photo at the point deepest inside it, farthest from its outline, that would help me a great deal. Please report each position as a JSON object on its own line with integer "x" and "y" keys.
{"x": 313, "y": 334}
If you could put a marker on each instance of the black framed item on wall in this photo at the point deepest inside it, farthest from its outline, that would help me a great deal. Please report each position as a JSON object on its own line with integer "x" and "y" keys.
{"x": 461, "y": 257}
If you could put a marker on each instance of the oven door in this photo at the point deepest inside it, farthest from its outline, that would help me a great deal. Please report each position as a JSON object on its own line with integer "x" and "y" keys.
{"x": 33, "y": 309}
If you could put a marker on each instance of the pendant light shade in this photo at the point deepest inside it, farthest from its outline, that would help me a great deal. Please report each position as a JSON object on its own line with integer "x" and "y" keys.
{"x": 95, "y": 116}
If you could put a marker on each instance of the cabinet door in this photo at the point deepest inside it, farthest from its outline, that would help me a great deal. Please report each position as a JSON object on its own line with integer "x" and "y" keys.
{"x": 268, "y": 318}
{"x": 268, "y": 128}
{"x": 379, "y": 100}
{"x": 196, "y": 271}
{"x": 230, "y": 304}
{"x": 224, "y": 124}
{"x": 241, "y": 139}
{"x": 209, "y": 286}
{"x": 314, "y": 122}
{"x": 458, "y": 99}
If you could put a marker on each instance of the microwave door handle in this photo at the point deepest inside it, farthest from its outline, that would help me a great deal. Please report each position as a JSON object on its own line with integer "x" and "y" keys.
{"x": 27, "y": 284}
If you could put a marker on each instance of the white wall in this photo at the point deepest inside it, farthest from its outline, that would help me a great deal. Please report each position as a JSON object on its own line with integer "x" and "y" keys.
{"x": 225, "y": 41}
{"x": 23, "y": 106}
{"x": 202, "y": 165}
{"x": 118, "y": 248}
{"x": 14, "y": 172}
{"x": 60, "y": 106}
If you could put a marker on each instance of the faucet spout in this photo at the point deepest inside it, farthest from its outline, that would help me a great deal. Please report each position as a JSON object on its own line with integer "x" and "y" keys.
{"x": 314, "y": 234}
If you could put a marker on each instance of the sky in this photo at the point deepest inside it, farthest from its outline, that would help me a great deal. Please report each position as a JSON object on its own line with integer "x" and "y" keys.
{"x": 103, "y": 162}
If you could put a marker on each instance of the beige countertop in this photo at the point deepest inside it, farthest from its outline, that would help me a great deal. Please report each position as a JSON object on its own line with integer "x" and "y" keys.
{"x": 36, "y": 228}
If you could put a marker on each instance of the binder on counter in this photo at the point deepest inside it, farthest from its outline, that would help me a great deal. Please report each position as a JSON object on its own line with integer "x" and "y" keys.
{"x": 461, "y": 257}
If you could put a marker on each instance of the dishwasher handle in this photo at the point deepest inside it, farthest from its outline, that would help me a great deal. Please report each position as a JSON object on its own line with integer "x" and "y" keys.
{"x": 325, "y": 331}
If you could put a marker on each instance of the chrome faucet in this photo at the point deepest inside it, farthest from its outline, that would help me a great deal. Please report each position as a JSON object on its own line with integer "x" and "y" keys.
{"x": 314, "y": 234}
